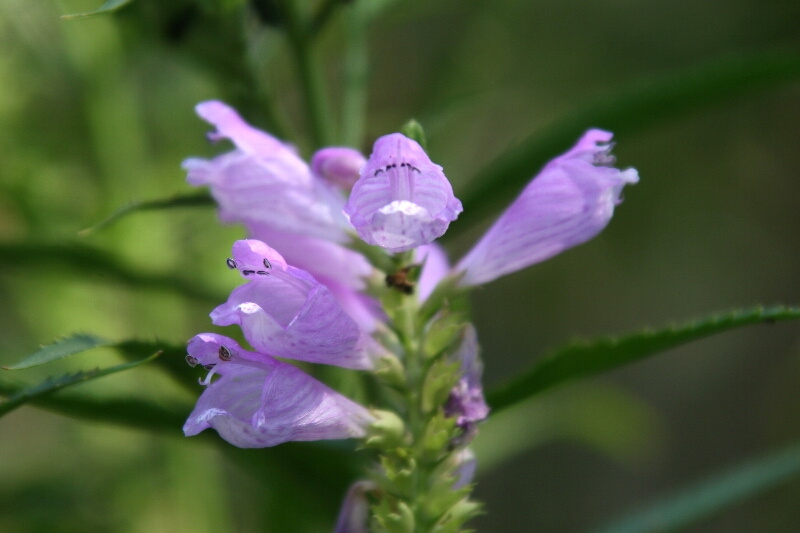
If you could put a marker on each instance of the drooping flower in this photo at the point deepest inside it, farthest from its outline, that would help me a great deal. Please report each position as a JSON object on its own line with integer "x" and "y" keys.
{"x": 402, "y": 200}
{"x": 284, "y": 311}
{"x": 570, "y": 201}
{"x": 338, "y": 165}
{"x": 466, "y": 402}
{"x": 263, "y": 180}
{"x": 264, "y": 185}
{"x": 259, "y": 401}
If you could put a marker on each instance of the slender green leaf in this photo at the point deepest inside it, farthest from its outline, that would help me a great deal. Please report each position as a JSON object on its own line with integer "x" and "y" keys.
{"x": 632, "y": 108}
{"x": 707, "y": 498}
{"x": 89, "y": 261}
{"x": 60, "y": 349}
{"x": 582, "y": 359}
{"x": 108, "y": 6}
{"x": 202, "y": 199}
{"x": 51, "y": 385}
{"x": 132, "y": 412}
{"x": 172, "y": 360}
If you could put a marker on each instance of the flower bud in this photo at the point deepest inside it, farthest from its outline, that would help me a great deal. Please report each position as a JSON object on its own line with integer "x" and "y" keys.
{"x": 387, "y": 431}
{"x": 338, "y": 165}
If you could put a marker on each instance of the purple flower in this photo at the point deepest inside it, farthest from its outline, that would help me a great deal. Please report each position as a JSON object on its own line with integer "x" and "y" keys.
{"x": 263, "y": 180}
{"x": 569, "y": 202}
{"x": 264, "y": 185}
{"x": 284, "y": 311}
{"x": 354, "y": 514}
{"x": 259, "y": 401}
{"x": 465, "y": 471}
{"x": 436, "y": 267}
{"x": 466, "y": 401}
{"x": 402, "y": 200}
{"x": 339, "y": 165}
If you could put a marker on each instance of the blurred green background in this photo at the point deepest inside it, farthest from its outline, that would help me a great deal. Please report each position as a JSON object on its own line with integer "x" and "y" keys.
{"x": 97, "y": 112}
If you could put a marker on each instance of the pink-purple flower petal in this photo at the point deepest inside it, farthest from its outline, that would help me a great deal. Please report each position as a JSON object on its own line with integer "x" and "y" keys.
{"x": 402, "y": 200}
{"x": 286, "y": 312}
{"x": 259, "y": 401}
{"x": 570, "y": 201}
{"x": 264, "y": 180}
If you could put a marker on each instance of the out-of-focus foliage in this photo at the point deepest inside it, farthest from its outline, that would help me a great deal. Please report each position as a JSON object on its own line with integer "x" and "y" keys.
{"x": 97, "y": 112}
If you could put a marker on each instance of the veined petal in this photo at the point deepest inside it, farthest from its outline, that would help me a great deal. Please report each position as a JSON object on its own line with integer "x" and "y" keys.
{"x": 402, "y": 200}
{"x": 264, "y": 180}
{"x": 569, "y": 202}
{"x": 435, "y": 269}
{"x": 259, "y": 401}
{"x": 289, "y": 313}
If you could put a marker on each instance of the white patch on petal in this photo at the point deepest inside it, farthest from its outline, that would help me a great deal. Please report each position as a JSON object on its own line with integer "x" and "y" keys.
{"x": 403, "y": 206}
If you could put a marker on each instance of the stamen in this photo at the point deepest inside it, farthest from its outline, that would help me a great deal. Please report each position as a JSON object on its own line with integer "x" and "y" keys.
{"x": 210, "y": 366}
{"x": 225, "y": 353}
{"x": 231, "y": 263}
{"x": 192, "y": 361}
{"x": 248, "y": 272}
{"x": 267, "y": 264}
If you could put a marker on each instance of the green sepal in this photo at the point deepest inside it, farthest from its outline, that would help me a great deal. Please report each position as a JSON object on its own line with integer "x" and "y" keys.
{"x": 390, "y": 371}
{"x": 446, "y": 291}
{"x": 392, "y": 517}
{"x": 387, "y": 432}
{"x": 443, "y": 332}
{"x": 413, "y": 130}
{"x": 457, "y": 516}
{"x": 399, "y": 473}
{"x": 439, "y": 381}
{"x": 439, "y": 431}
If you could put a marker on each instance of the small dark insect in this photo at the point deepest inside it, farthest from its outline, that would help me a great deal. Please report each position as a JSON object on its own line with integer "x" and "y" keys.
{"x": 192, "y": 361}
{"x": 224, "y": 353}
{"x": 248, "y": 272}
{"x": 399, "y": 280}
{"x": 210, "y": 366}
{"x": 231, "y": 263}
{"x": 267, "y": 264}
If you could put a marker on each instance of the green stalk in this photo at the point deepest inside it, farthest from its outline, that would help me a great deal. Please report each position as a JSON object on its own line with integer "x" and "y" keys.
{"x": 310, "y": 71}
{"x": 356, "y": 65}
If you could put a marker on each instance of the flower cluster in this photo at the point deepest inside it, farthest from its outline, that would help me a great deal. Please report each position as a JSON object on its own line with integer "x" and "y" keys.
{"x": 310, "y": 295}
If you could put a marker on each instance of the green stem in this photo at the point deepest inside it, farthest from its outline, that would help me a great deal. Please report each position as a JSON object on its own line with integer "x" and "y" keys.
{"x": 356, "y": 65}
{"x": 310, "y": 72}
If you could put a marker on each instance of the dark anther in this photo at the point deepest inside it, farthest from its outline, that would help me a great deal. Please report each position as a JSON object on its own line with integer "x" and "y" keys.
{"x": 224, "y": 353}
{"x": 378, "y": 171}
{"x": 267, "y": 264}
{"x": 231, "y": 263}
{"x": 415, "y": 168}
{"x": 262, "y": 273}
{"x": 210, "y": 366}
{"x": 191, "y": 360}
{"x": 248, "y": 272}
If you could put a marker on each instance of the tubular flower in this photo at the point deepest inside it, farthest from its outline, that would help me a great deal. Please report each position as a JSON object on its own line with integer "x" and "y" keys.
{"x": 570, "y": 201}
{"x": 354, "y": 514}
{"x": 259, "y": 401}
{"x": 402, "y": 200}
{"x": 263, "y": 180}
{"x": 284, "y": 311}
{"x": 466, "y": 401}
{"x": 265, "y": 186}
